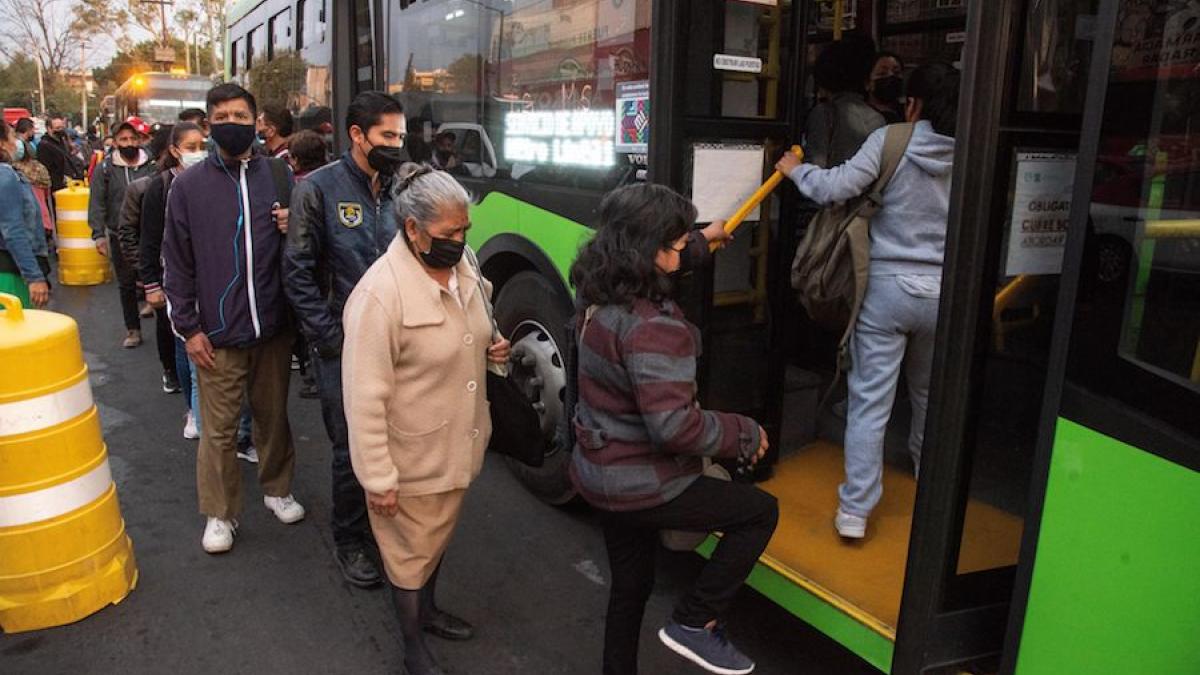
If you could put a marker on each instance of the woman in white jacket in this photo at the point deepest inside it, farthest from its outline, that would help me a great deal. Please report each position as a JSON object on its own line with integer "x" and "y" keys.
{"x": 898, "y": 319}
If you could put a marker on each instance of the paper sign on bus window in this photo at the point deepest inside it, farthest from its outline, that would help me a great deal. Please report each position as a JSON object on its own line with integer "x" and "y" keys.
{"x": 723, "y": 178}
{"x": 633, "y": 116}
{"x": 1041, "y": 211}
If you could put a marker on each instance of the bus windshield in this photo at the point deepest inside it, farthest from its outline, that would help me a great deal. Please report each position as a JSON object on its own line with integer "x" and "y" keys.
{"x": 158, "y": 98}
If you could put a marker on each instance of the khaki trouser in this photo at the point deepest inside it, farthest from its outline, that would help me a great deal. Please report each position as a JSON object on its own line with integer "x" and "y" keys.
{"x": 262, "y": 371}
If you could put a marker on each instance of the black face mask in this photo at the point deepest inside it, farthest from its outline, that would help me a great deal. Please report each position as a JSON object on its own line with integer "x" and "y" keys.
{"x": 385, "y": 159}
{"x": 235, "y": 139}
{"x": 889, "y": 89}
{"x": 129, "y": 153}
{"x": 443, "y": 253}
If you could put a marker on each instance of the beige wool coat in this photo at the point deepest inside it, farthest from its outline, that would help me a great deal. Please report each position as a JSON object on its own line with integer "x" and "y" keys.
{"x": 413, "y": 372}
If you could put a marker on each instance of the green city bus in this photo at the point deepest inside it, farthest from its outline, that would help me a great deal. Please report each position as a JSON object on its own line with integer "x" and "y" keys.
{"x": 1047, "y": 532}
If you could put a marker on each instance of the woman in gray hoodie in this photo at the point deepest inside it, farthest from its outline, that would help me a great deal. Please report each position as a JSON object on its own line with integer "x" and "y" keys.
{"x": 898, "y": 319}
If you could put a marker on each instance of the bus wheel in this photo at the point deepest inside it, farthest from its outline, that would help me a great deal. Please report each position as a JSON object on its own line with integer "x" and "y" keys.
{"x": 530, "y": 314}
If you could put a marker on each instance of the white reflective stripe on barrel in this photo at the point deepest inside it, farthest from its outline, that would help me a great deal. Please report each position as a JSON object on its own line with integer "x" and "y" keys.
{"x": 72, "y": 216}
{"x": 43, "y": 412}
{"x": 73, "y": 243}
{"x": 34, "y": 507}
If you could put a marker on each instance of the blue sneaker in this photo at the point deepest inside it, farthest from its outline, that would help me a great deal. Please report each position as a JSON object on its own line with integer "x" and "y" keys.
{"x": 708, "y": 649}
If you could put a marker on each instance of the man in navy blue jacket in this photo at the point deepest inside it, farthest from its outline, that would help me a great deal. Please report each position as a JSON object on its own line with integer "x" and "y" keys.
{"x": 341, "y": 220}
{"x": 222, "y": 275}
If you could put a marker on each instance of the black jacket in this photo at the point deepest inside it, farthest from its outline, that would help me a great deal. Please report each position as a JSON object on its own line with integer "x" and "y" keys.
{"x": 109, "y": 182}
{"x": 154, "y": 217}
{"x": 336, "y": 230}
{"x": 58, "y": 160}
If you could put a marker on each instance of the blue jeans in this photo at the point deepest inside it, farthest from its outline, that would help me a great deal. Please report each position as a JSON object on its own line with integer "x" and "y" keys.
{"x": 189, "y": 387}
{"x": 191, "y": 394}
{"x": 349, "y": 524}
{"x": 895, "y": 327}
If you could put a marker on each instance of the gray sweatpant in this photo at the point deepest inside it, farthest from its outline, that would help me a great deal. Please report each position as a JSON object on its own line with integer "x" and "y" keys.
{"x": 896, "y": 326}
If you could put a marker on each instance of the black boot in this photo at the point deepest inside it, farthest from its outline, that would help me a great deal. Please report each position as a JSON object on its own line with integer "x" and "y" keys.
{"x": 436, "y": 622}
{"x": 417, "y": 658}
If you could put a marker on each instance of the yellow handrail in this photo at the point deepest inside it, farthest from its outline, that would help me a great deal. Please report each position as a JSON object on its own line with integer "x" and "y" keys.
{"x": 755, "y": 199}
{"x": 1172, "y": 229}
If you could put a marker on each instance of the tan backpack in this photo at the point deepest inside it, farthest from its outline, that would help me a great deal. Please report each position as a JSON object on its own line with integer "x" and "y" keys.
{"x": 833, "y": 260}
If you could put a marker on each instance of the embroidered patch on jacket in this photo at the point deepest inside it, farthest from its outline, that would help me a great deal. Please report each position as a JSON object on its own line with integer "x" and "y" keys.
{"x": 350, "y": 213}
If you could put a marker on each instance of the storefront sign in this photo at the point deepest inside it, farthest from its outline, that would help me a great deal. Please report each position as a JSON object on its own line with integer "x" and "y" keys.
{"x": 1041, "y": 212}
{"x": 633, "y": 116}
{"x": 741, "y": 64}
{"x": 561, "y": 137}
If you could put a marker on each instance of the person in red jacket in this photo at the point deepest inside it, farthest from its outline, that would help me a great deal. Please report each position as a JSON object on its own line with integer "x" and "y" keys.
{"x": 642, "y": 437}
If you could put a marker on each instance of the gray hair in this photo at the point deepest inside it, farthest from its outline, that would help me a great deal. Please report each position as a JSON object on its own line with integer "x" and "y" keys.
{"x": 422, "y": 193}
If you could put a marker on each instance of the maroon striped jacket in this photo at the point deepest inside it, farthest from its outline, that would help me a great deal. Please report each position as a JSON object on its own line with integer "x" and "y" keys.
{"x": 640, "y": 432}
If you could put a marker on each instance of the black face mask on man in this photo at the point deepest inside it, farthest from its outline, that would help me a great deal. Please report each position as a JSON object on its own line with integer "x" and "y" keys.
{"x": 129, "y": 153}
{"x": 385, "y": 159}
{"x": 889, "y": 89}
{"x": 235, "y": 139}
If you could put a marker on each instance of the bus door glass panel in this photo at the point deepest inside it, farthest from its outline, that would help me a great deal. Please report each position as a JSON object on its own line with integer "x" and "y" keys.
{"x": 539, "y": 93}
{"x": 1137, "y": 332}
{"x": 1058, "y": 49}
{"x": 737, "y": 54}
{"x": 364, "y": 47}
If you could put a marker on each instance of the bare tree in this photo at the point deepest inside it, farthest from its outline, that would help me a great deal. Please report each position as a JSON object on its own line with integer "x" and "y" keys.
{"x": 41, "y": 29}
{"x": 189, "y": 22}
{"x": 213, "y": 12}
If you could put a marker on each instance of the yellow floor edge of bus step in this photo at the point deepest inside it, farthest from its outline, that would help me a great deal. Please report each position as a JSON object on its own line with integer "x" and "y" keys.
{"x": 864, "y": 579}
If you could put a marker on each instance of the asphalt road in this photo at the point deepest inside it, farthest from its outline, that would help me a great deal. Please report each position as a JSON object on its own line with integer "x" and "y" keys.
{"x": 532, "y": 578}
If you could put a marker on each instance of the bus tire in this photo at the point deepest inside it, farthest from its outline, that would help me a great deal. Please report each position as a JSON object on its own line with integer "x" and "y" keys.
{"x": 530, "y": 312}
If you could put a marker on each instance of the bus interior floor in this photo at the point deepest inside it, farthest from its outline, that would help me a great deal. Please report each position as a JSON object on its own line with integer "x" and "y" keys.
{"x": 865, "y": 578}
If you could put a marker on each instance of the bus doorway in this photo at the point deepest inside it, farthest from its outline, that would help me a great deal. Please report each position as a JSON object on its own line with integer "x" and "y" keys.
{"x": 736, "y": 89}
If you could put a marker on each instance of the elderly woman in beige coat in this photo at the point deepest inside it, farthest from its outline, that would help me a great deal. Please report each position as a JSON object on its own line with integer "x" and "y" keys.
{"x": 418, "y": 339}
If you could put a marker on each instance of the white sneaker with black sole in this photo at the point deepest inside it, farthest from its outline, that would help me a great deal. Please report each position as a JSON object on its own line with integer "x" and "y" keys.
{"x": 250, "y": 454}
{"x": 218, "y": 535}
{"x": 285, "y": 508}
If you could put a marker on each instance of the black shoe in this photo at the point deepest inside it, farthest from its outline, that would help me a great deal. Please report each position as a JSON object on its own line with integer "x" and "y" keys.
{"x": 357, "y": 568}
{"x": 447, "y": 626}
{"x": 170, "y": 383}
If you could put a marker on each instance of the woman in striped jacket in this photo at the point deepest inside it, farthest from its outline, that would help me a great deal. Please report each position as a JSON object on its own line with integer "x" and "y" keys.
{"x": 642, "y": 436}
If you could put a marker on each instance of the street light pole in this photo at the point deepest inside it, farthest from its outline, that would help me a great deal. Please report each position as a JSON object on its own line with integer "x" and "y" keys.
{"x": 83, "y": 90}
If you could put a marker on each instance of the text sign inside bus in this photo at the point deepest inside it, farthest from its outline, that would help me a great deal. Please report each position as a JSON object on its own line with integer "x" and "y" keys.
{"x": 562, "y": 137}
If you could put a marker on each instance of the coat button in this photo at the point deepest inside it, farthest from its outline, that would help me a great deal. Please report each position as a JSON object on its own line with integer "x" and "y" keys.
{"x": 472, "y": 386}
{"x": 468, "y": 339}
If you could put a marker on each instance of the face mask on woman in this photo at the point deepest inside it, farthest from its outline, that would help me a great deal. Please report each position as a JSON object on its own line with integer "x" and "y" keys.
{"x": 190, "y": 159}
{"x": 443, "y": 253}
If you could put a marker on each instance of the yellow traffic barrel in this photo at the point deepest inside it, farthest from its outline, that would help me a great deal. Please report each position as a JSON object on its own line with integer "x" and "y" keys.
{"x": 79, "y": 263}
{"x": 64, "y": 553}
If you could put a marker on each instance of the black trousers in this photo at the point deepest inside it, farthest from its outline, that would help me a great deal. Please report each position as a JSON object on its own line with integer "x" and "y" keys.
{"x": 349, "y": 524}
{"x": 165, "y": 340}
{"x": 744, "y": 514}
{"x": 126, "y": 283}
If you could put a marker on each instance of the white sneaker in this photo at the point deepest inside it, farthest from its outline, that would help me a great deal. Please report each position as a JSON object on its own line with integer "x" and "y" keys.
{"x": 850, "y": 526}
{"x": 218, "y": 535}
{"x": 285, "y": 508}
{"x": 190, "y": 431}
{"x": 250, "y": 454}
